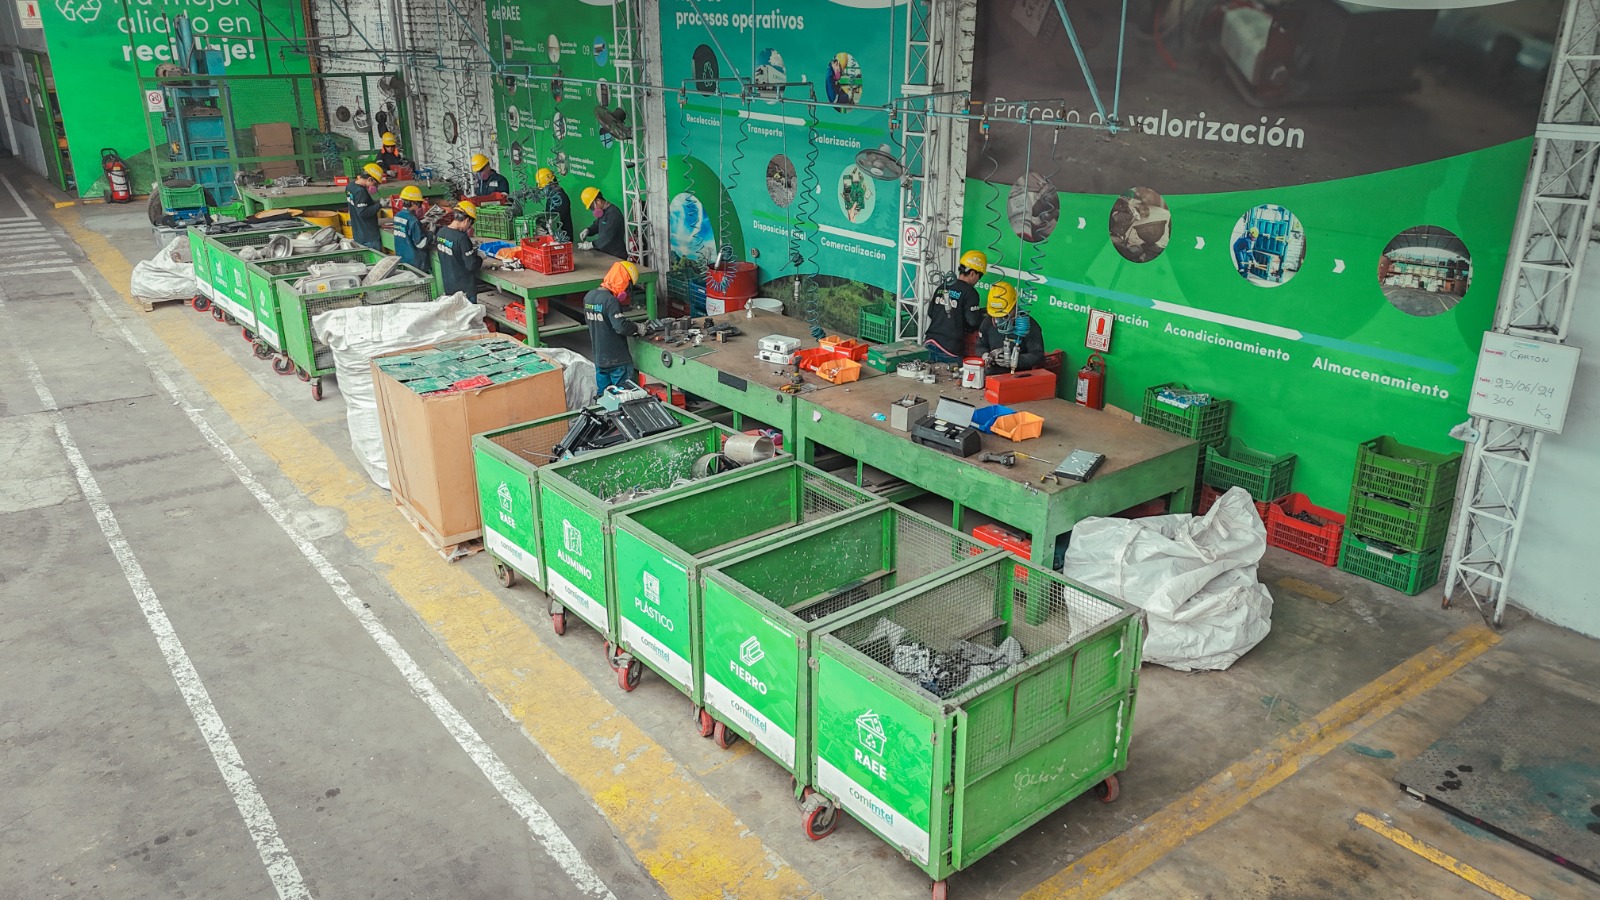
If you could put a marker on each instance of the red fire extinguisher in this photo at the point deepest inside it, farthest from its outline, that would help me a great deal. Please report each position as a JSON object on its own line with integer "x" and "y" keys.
{"x": 1092, "y": 383}
{"x": 116, "y": 176}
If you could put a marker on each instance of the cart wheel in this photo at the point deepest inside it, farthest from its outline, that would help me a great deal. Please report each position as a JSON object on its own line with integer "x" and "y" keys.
{"x": 941, "y": 890}
{"x": 261, "y": 350}
{"x": 724, "y": 737}
{"x": 503, "y": 572}
{"x": 558, "y": 623}
{"x": 282, "y": 365}
{"x": 247, "y": 334}
{"x": 316, "y": 389}
{"x": 1109, "y": 790}
{"x": 707, "y": 724}
{"x": 302, "y": 373}
{"x": 628, "y": 676}
{"x": 820, "y": 820}
{"x": 228, "y": 317}
{"x": 218, "y": 314}
{"x": 200, "y": 303}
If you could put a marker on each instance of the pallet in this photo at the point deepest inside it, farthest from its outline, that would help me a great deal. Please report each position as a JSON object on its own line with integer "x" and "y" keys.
{"x": 448, "y": 551}
{"x": 148, "y": 304}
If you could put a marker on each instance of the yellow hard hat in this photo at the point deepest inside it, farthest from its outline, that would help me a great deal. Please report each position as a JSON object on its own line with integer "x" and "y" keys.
{"x": 479, "y": 162}
{"x": 1002, "y": 300}
{"x": 468, "y": 207}
{"x": 842, "y": 58}
{"x": 588, "y": 196}
{"x": 631, "y": 269}
{"x": 976, "y": 261}
{"x": 374, "y": 170}
{"x": 412, "y": 193}
{"x": 389, "y": 140}
{"x": 543, "y": 177}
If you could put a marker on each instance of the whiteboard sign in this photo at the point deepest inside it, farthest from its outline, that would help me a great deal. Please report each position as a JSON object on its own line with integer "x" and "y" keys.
{"x": 1523, "y": 381}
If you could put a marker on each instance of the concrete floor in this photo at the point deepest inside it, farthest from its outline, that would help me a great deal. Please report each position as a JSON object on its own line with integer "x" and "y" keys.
{"x": 389, "y": 725}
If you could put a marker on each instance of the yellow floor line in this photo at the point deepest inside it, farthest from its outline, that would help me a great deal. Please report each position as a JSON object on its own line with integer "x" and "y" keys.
{"x": 1120, "y": 859}
{"x": 1441, "y": 859}
{"x": 688, "y": 841}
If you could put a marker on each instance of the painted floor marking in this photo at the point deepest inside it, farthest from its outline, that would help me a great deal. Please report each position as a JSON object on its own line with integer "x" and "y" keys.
{"x": 1441, "y": 859}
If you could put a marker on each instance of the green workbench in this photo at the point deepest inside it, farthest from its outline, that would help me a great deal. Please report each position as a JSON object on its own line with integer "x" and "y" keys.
{"x": 325, "y": 196}
{"x": 1142, "y": 463}
{"x": 564, "y": 317}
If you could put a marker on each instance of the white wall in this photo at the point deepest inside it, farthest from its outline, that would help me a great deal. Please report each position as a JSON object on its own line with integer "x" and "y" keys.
{"x": 1557, "y": 574}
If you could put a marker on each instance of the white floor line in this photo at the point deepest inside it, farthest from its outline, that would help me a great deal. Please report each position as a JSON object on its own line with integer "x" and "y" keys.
{"x": 30, "y": 264}
{"x": 258, "y": 818}
{"x": 26, "y": 212}
{"x": 540, "y": 823}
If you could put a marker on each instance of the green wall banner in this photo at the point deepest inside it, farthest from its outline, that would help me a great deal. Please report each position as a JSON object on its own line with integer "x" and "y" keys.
{"x": 1307, "y": 209}
{"x": 100, "y": 48}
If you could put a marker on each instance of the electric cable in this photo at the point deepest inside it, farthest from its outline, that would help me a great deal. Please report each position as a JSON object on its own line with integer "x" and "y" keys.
{"x": 992, "y": 224}
{"x": 806, "y": 269}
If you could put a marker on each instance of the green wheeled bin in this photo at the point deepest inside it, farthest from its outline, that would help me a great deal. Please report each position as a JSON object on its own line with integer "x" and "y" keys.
{"x": 961, "y": 711}
{"x": 223, "y": 276}
{"x": 261, "y": 285}
{"x": 507, "y": 463}
{"x": 762, "y": 610}
{"x": 578, "y": 502}
{"x": 662, "y": 548}
{"x": 313, "y": 359}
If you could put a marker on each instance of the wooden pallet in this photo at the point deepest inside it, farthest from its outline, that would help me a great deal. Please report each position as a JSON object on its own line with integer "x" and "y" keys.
{"x": 449, "y": 552}
{"x": 148, "y": 304}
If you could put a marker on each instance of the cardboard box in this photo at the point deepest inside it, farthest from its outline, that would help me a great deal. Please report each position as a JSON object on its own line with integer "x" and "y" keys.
{"x": 277, "y": 134}
{"x": 428, "y": 441}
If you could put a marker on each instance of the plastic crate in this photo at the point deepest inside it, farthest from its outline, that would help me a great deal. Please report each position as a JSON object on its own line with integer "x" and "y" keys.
{"x": 234, "y": 210}
{"x": 176, "y": 198}
{"x": 1318, "y": 542}
{"x": 1408, "y": 573}
{"x": 543, "y": 255}
{"x": 1019, "y": 426}
{"x": 1209, "y": 496}
{"x": 1265, "y": 476}
{"x": 845, "y": 348}
{"x": 493, "y": 223}
{"x": 1206, "y": 423}
{"x": 840, "y": 370}
{"x": 1395, "y": 523}
{"x": 1416, "y": 477}
{"x": 876, "y": 323}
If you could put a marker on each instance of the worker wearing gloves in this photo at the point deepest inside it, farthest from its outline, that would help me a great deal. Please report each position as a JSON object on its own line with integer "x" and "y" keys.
{"x": 1244, "y": 251}
{"x": 956, "y": 310}
{"x": 608, "y": 330}
{"x": 489, "y": 181}
{"x": 556, "y": 201}
{"x": 606, "y": 234}
{"x": 390, "y": 155}
{"x": 361, "y": 196}
{"x": 459, "y": 261}
{"x": 411, "y": 243}
{"x": 1009, "y": 340}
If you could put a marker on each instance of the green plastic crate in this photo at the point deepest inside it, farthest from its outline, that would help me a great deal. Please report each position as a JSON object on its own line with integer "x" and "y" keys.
{"x": 1395, "y": 523}
{"x": 1207, "y": 424}
{"x": 876, "y": 323}
{"x": 1265, "y": 476}
{"x": 173, "y": 198}
{"x": 493, "y": 222}
{"x": 1408, "y": 573}
{"x": 1416, "y": 477}
{"x": 234, "y": 210}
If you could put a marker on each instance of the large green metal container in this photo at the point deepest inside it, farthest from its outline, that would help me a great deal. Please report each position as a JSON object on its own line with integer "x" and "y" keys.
{"x": 578, "y": 500}
{"x": 261, "y": 286}
{"x": 311, "y": 357}
{"x": 662, "y": 549}
{"x": 223, "y": 276}
{"x": 763, "y": 609}
{"x": 507, "y": 465}
{"x": 947, "y": 770}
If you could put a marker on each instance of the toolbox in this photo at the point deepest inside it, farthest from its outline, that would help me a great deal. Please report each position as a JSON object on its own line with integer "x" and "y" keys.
{"x": 888, "y": 357}
{"x": 1020, "y": 387}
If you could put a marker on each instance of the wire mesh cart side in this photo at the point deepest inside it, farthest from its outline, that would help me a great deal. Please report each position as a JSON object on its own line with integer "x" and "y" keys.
{"x": 761, "y": 610}
{"x": 507, "y": 463}
{"x": 220, "y": 271}
{"x": 662, "y": 548}
{"x": 261, "y": 289}
{"x": 313, "y": 359}
{"x": 954, "y": 715}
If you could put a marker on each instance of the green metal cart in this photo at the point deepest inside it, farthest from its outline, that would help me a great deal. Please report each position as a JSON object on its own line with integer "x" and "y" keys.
{"x": 947, "y": 768}
{"x": 578, "y": 500}
{"x": 261, "y": 285}
{"x": 507, "y": 462}
{"x": 220, "y": 271}
{"x": 763, "y": 609}
{"x": 662, "y": 549}
{"x": 312, "y": 359}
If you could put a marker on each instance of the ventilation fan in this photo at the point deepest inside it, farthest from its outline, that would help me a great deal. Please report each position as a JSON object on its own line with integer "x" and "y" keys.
{"x": 880, "y": 163}
{"x": 390, "y": 85}
{"x": 614, "y": 122}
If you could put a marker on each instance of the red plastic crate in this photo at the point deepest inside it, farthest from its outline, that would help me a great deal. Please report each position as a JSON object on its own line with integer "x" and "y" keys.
{"x": 1005, "y": 539}
{"x": 1285, "y": 532}
{"x": 1020, "y": 387}
{"x": 846, "y": 349}
{"x": 811, "y": 357}
{"x": 1210, "y": 495}
{"x": 543, "y": 255}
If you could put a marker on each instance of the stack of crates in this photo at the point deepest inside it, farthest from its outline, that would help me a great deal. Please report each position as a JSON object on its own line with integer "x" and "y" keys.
{"x": 1266, "y": 476}
{"x": 186, "y": 205}
{"x": 1205, "y": 422}
{"x": 1400, "y": 507}
{"x": 493, "y": 222}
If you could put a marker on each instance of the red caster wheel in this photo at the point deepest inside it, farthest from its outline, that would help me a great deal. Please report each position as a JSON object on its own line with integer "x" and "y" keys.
{"x": 941, "y": 891}
{"x": 316, "y": 389}
{"x": 218, "y": 314}
{"x": 302, "y": 374}
{"x": 247, "y": 334}
{"x": 200, "y": 303}
{"x": 504, "y": 575}
{"x": 1108, "y": 790}
{"x": 629, "y": 675}
{"x": 282, "y": 365}
{"x": 558, "y": 623}
{"x": 820, "y": 820}
{"x": 706, "y": 723}
{"x": 723, "y": 736}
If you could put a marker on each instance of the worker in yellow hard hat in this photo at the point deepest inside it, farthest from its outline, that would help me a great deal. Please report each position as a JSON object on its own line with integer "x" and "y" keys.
{"x": 361, "y": 197}
{"x": 608, "y": 330}
{"x": 607, "y": 234}
{"x": 557, "y": 204}
{"x": 411, "y": 241}
{"x": 489, "y": 181}
{"x": 1009, "y": 340}
{"x": 459, "y": 260}
{"x": 956, "y": 310}
{"x": 390, "y": 156}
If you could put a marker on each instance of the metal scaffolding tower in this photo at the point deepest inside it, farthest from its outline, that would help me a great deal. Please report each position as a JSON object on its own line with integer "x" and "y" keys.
{"x": 1553, "y": 231}
{"x": 627, "y": 24}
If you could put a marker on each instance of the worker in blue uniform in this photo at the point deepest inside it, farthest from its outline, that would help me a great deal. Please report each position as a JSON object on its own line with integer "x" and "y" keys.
{"x": 411, "y": 242}
{"x": 955, "y": 310}
{"x": 607, "y": 234}
{"x": 1244, "y": 251}
{"x": 1009, "y": 339}
{"x": 361, "y": 196}
{"x": 489, "y": 181}
{"x": 608, "y": 330}
{"x": 459, "y": 260}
